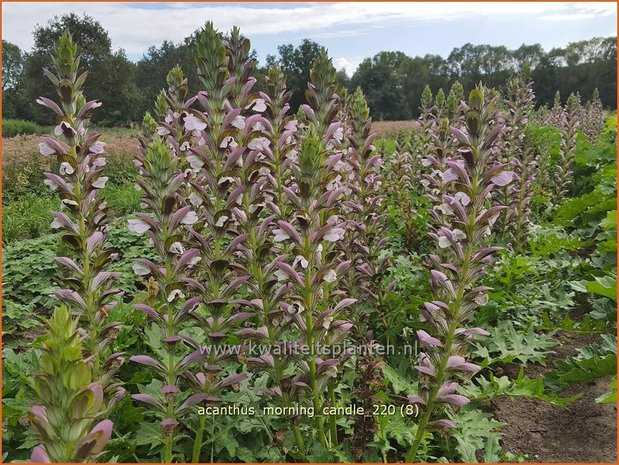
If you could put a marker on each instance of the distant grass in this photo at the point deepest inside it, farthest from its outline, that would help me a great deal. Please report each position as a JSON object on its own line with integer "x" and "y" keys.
{"x": 27, "y": 218}
{"x": 31, "y": 216}
{"x": 123, "y": 199}
{"x": 14, "y": 127}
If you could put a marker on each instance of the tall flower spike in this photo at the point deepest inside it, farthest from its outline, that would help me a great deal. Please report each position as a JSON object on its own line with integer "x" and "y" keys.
{"x": 516, "y": 196}
{"x": 177, "y": 127}
{"x": 365, "y": 239}
{"x": 282, "y": 152}
{"x": 401, "y": 168}
{"x": 65, "y": 420}
{"x": 228, "y": 125}
{"x": 462, "y": 254}
{"x": 314, "y": 271}
{"x": 264, "y": 177}
{"x": 570, "y": 123}
{"x": 440, "y": 105}
{"x": 83, "y": 219}
{"x": 557, "y": 112}
{"x": 455, "y": 96}
{"x": 160, "y": 180}
{"x": 593, "y": 123}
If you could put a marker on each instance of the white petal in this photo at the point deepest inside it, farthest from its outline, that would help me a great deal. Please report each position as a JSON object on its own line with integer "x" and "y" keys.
{"x": 100, "y": 182}
{"x": 140, "y": 270}
{"x": 138, "y": 226}
{"x": 190, "y": 218}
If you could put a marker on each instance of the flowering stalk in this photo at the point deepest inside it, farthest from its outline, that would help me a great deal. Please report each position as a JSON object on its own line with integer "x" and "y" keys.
{"x": 172, "y": 108}
{"x": 366, "y": 239}
{"x": 400, "y": 171}
{"x": 440, "y": 105}
{"x": 89, "y": 286}
{"x": 455, "y": 96}
{"x": 313, "y": 233}
{"x": 517, "y": 195}
{"x": 220, "y": 126}
{"x": 570, "y": 123}
{"x": 282, "y": 152}
{"x": 557, "y": 112}
{"x": 593, "y": 117}
{"x": 459, "y": 264}
{"x": 160, "y": 179}
{"x": 65, "y": 421}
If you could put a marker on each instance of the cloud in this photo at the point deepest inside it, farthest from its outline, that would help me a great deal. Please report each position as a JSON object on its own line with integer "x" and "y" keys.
{"x": 135, "y": 27}
{"x": 348, "y": 65}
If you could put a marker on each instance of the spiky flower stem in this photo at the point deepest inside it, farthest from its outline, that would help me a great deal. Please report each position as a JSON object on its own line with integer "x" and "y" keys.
{"x": 160, "y": 180}
{"x": 70, "y": 402}
{"x": 516, "y": 195}
{"x": 313, "y": 234}
{"x": 89, "y": 285}
{"x": 462, "y": 256}
{"x": 570, "y": 123}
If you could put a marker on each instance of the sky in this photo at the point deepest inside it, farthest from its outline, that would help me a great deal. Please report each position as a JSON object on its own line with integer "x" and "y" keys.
{"x": 351, "y": 31}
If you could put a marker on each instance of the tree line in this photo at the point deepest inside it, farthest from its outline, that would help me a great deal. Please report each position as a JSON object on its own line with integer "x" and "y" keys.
{"x": 391, "y": 81}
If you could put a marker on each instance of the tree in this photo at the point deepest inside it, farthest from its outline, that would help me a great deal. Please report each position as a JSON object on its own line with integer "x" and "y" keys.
{"x": 296, "y": 63}
{"x": 110, "y": 74}
{"x": 12, "y": 65}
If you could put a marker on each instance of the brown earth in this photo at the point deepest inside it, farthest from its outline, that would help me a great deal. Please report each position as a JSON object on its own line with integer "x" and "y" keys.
{"x": 584, "y": 431}
{"x": 389, "y": 128}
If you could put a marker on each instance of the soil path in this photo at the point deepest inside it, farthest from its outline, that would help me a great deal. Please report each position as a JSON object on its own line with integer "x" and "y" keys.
{"x": 584, "y": 431}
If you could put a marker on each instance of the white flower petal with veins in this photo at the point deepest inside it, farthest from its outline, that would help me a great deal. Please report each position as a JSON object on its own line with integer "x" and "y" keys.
{"x": 330, "y": 276}
{"x": 174, "y": 294}
{"x": 177, "y": 248}
{"x": 443, "y": 242}
{"x": 195, "y": 162}
{"x": 194, "y": 124}
{"x": 140, "y": 270}
{"x": 138, "y": 226}
{"x": 46, "y": 150}
{"x": 100, "y": 182}
{"x": 190, "y": 218}
{"x": 195, "y": 199}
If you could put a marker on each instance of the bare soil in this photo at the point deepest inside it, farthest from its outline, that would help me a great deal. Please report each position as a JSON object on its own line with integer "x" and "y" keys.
{"x": 584, "y": 431}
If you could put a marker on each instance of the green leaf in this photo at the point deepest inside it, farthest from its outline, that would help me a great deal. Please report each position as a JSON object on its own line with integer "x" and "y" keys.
{"x": 576, "y": 371}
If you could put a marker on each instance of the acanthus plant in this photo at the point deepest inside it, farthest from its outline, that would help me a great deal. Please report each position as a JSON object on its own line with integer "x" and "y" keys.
{"x": 523, "y": 161}
{"x": 464, "y": 220}
{"x": 399, "y": 173}
{"x": 160, "y": 180}
{"x": 172, "y": 108}
{"x": 569, "y": 124}
{"x": 83, "y": 219}
{"x": 520, "y": 158}
{"x": 313, "y": 267}
{"x": 427, "y": 121}
{"x": 556, "y": 113}
{"x": 67, "y": 419}
{"x": 455, "y": 96}
{"x": 365, "y": 241}
{"x": 266, "y": 181}
{"x": 593, "y": 122}
{"x": 229, "y": 135}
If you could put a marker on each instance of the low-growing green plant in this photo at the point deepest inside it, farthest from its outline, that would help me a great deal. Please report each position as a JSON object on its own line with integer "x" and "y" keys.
{"x": 16, "y": 127}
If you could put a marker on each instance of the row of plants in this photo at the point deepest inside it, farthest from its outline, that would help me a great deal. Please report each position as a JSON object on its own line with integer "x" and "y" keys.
{"x": 274, "y": 254}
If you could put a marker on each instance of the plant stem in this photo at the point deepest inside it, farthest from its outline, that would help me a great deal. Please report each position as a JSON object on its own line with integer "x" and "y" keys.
{"x": 197, "y": 444}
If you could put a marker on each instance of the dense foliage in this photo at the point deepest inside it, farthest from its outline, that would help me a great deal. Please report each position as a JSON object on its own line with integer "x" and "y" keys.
{"x": 277, "y": 272}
